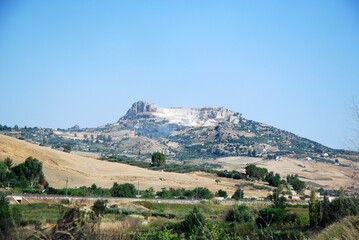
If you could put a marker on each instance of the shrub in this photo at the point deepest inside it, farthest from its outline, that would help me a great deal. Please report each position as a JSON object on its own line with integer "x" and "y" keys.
{"x": 240, "y": 214}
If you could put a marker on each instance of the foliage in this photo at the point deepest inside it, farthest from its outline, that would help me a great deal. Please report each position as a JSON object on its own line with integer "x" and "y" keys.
{"x": 99, "y": 207}
{"x": 239, "y": 214}
{"x": 221, "y": 193}
{"x": 256, "y": 172}
{"x": 271, "y": 215}
{"x": 6, "y": 221}
{"x": 298, "y": 185}
{"x": 31, "y": 170}
{"x": 273, "y": 180}
{"x": 238, "y": 194}
{"x": 313, "y": 209}
{"x": 193, "y": 222}
{"x": 123, "y": 190}
{"x": 158, "y": 159}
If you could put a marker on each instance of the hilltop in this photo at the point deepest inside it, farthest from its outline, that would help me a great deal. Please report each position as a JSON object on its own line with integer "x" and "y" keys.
{"x": 212, "y": 137}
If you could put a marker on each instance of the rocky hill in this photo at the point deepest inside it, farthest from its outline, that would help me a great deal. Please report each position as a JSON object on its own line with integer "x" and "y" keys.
{"x": 182, "y": 134}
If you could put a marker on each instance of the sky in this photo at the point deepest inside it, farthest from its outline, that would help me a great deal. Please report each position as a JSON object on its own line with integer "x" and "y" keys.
{"x": 290, "y": 64}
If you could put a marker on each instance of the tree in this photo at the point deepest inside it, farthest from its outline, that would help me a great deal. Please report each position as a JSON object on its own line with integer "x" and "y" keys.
{"x": 67, "y": 148}
{"x": 6, "y": 221}
{"x": 238, "y": 194}
{"x": 217, "y": 181}
{"x": 254, "y": 171}
{"x": 8, "y": 161}
{"x": 31, "y": 170}
{"x": 193, "y": 222}
{"x": 123, "y": 190}
{"x": 298, "y": 185}
{"x": 158, "y": 159}
{"x": 313, "y": 209}
{"x": 221, "y": 193}
{"x": 3, "y": 171}
{"x": 99, "y": 207}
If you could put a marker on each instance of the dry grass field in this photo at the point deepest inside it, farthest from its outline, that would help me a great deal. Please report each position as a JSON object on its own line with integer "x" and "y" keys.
{"x": 313, "y": 173}
{"x": 83, "y": 170}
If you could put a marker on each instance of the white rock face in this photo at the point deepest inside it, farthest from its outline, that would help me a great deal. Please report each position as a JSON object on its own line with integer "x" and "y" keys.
{"x": 194, "y": 117}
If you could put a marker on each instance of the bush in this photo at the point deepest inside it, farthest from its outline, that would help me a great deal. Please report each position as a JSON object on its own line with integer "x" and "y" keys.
{"x": 240, "y": 214}
{"x": 65, "y": 201}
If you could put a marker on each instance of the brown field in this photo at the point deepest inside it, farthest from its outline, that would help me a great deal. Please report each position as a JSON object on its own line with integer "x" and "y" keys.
{"x": 84, "y": 171}
{"x": 318, "y": 174}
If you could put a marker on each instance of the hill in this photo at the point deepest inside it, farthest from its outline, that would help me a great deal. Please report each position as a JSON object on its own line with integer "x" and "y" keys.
{"x": 210, "y": 136}
{"x": 82, "y": 170}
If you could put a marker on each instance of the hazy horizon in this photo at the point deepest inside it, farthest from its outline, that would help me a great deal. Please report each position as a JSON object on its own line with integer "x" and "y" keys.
{"x": 292, "y": 65}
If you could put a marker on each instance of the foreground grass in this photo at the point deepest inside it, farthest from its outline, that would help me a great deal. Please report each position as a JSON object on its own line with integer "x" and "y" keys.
{"x": 181, "y": 210}
{"x": 347, "y": 228}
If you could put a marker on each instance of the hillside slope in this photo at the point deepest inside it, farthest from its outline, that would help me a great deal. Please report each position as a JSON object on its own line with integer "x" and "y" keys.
{"x": 81, "y": 170}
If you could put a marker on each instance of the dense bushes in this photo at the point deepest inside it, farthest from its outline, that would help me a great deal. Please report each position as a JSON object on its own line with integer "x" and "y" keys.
{"x": 239, "y": 214}
{"x": 123, "y": 190}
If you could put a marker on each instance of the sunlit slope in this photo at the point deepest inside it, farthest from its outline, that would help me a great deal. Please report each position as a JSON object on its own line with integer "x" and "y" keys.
{"x": 81, "y": 170}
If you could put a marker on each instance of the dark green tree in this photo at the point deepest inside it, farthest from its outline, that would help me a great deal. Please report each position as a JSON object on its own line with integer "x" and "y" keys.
{"x": 193, "y": 223}
{"x": 67, "y": 148}
{"x": 221, "y": 193}
{"x": 238, "y": 194}
{"x": 31, "y": 170}
{"x": 158, "y": 159}
{"x": 313, "y": 209}
{"x": 123, "y": 190}
{"x": 9, "y": 163}
{"x": 298, "y": 185}
{"x": 3, "y": 172}
{"x": 6, "y": 221}
{"x": 99, "y": 207}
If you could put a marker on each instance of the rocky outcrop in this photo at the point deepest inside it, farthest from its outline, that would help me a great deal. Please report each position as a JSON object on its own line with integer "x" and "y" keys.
{"x": 207, "y": 116}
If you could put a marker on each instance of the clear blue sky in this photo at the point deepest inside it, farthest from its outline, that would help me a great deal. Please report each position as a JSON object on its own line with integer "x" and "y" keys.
{"x": 290, "y": 64}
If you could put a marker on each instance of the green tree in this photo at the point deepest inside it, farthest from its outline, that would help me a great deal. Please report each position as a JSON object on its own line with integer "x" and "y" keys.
{"x": 6, "y": 221}
{"x": 67, "y": 148}
{"x": 221, "y": 193}
{"x": 313, "y": 209}
{"x": 193, "y": 222}
{"x": 158, "y": 159}
{"x": 298, "y": 185}
{"x": 99, "y": 207}
{"x": 238, "y": 194}
{"x": 31, "y": 170}
{"x": 9, "y": 163}
{"x": 3, "y": 171}
{"x": 123, "y": 190}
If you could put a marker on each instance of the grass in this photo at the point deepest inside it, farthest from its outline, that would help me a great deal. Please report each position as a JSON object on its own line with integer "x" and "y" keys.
{"x": 347, "y": 228}
{"x": 40, "y": 212}
{"x": 181, "y": 210}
